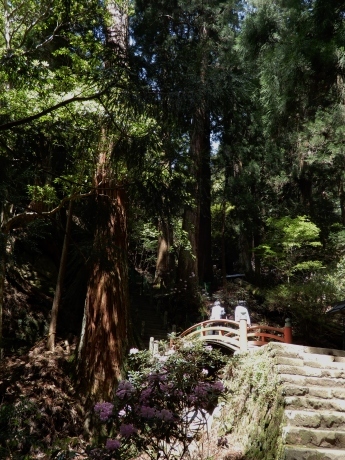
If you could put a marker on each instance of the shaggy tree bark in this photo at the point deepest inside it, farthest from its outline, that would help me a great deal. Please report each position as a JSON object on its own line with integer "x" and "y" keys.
{"x": 104, "y": 335}
{"x": 165, "y": 260}
{"x": 105, "y": 326}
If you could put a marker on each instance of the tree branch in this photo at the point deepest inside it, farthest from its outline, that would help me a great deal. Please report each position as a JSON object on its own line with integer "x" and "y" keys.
{"x": 25, "y": 120}
{"x": 26, "y": 217}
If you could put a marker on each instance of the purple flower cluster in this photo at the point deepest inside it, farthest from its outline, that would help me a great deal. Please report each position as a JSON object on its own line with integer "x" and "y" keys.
{"x": 150, "y": 413}
{"x": 145, "y": 395}
{"x": 201, "y": 390}
{"x": 127, "y": 430}
{"x": 157, "y": 377}
{"x": 113, "y": 444}
{"x": 218, "y": 387}
{"x": 104, "y": 410}
{"x": 147, "y": 412}
{"x": 125, "y": 389}
{"x": 165, "y": 415}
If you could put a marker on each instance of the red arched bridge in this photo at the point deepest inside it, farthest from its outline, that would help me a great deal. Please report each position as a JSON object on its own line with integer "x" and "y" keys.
{"x": 237, "y": 336}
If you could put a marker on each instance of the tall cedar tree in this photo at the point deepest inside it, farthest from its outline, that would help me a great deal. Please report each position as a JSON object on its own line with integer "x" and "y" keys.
{"x": 180, "y": 44}
{"x": 104, "y": 334}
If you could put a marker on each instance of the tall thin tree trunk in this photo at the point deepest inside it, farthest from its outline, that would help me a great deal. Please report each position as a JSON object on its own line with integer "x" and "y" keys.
{"x": 6, "y": 211}
{"x": 197, "y": 219}
{"x": 341, "y": 195}
{"x": 205, "y": 271}
{"x": 7, "y": 28}
{"x": 165, "y": 263}
{"x": 223, "y": 244}
{"x": 59, "y": 283}
{"x": 3, "y": 243}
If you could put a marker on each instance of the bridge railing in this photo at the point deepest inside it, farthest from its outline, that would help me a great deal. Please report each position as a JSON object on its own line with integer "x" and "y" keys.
{"x": 236, "y": 335}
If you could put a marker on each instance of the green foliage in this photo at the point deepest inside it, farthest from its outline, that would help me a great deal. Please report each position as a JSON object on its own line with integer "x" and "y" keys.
{"x": 18, "y": 436}
{"x": 45, "y": 194}
{"x": 336, "y": 277}
{"x": 306, "y": 303}
{"x": 290, "y": 240}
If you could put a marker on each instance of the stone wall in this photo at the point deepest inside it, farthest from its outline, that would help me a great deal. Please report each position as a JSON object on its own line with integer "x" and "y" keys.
{"x": 253, "y": 413}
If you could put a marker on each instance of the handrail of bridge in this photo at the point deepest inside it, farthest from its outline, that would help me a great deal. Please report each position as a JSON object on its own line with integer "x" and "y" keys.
{"x": 236, "y": 335}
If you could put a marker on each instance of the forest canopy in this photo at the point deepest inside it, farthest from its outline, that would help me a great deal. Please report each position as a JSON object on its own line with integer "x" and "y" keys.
{"x": 154, "y": 147}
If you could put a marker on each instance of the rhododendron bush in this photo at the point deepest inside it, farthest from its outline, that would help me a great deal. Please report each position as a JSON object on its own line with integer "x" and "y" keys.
{"x": 164, "y": 403}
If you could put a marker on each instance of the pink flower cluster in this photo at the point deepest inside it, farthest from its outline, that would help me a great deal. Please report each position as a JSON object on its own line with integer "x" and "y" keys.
{"x": 104, "y": 410}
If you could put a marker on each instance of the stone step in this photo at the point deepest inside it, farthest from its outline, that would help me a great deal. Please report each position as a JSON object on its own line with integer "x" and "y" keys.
{"x": 309, "y": 453}
{"x": 323, "y": 419}
{"x": 313, "y": 361}
{"x": 310, "y": 380}
{"x": 309, "y": 437}
{"x": 323, "y": 392}
{"x": 324, "y": 364}
{"x": 323, "y": 358}
{"x": 297, "y": 351}
{"x": 311, "y": 371}
{"x": 314, "y": 403}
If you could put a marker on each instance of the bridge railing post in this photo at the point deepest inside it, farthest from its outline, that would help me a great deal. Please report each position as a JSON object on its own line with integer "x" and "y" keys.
{"x": 287, "y": 331}
{"x": 243, "y": 333}
{"x": 152, "y": 339}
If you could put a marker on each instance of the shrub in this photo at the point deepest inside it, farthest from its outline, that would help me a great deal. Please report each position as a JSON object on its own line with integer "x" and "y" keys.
{"x": 164, "y": 403}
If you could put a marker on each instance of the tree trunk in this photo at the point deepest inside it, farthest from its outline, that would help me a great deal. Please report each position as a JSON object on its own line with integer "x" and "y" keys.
{"x": 59, "y": 283}
{"x": 3, "y": 244}
{"x": 205, "y": 271}
{"x": 5, "y": 213}
{"x": 104, "y": 338}
{"x": 341, "y": 194}
{"x": 165, "y": 262}
{"x": 197, "y": 220}
{"x": 117, "y": 27}
{"x": 223, "y": 242}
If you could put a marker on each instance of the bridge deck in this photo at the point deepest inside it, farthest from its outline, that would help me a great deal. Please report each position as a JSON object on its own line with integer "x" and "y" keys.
{"x": 236, "y": 335}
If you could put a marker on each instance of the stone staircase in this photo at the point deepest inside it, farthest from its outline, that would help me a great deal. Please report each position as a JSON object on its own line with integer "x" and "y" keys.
{"x": 313, "y": 388}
